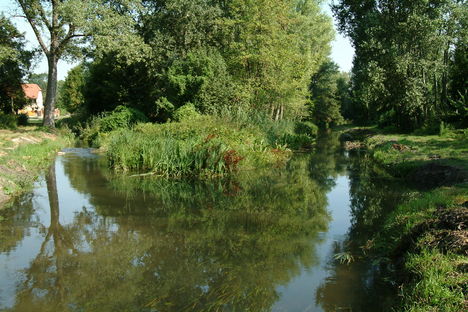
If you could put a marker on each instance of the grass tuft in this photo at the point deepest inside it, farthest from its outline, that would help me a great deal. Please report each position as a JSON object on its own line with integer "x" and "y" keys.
{"x": 205, "y": 146}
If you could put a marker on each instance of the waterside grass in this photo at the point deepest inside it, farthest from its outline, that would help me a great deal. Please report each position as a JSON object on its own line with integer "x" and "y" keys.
{"x": 402, "y": 153}
{"x": 424, "y": 239}
{"x": 24, "y": 152}
{"x": 201, "y": 147}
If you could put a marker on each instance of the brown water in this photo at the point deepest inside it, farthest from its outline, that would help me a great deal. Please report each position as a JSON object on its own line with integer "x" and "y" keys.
{"x": 87, "y": 240}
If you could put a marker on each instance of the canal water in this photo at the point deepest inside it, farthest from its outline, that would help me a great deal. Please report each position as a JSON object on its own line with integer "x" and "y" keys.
{"x": 282, "y": 239}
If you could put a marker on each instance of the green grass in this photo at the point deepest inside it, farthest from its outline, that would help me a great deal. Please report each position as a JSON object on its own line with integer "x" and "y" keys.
{"x": 438, "y": 282}
{"x": 429, "y": 265}
{"x": 23, "y": 154}
{"x": 402, "y": 151}
{"x": 423, "y": 207}
{"x": 437, "y": 279}
{"x": 417, "y": 150}
{"x": 205, "y": 146}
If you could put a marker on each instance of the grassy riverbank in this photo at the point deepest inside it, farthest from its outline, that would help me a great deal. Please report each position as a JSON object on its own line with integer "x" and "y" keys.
{"x": 24, "y": 152}
{"x": 425, "y": 239}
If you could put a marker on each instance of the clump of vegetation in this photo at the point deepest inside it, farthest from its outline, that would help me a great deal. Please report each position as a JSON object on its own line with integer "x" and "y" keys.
{"x": 12, "y": 121}
{"x": 186, "y": 112}
{"x": 8, "y": 121}
{"x": 204, "y": 146}
{"x": 97, "y": 128}
{"x": 404, "y": 153}
{"x": 23, "y": 119}
{"x": 306, "y": 128}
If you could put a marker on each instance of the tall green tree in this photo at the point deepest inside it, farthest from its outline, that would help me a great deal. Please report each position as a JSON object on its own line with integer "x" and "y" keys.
{"x": 64, "y": 27}
{"x": 403, "y": 54}
{"x": 14, "y": 62}
{"x": 326, "y": 99}
{"x": 273, "y": 48}
{"x": 72, "y": 90}
{"x": 247, "y": 55}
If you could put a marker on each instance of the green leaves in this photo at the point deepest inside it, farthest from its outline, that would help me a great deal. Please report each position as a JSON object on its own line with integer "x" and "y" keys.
{"x": 326, "y": 100}
{"x": 14, "y": 61}
{"x": 404, "y": 54}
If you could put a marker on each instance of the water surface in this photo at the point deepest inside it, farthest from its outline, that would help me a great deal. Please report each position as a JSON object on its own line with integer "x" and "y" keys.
{"x": 85, "y": 239}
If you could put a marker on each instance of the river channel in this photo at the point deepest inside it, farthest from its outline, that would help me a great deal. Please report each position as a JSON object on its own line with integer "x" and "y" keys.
{"x": 86, "y": 239}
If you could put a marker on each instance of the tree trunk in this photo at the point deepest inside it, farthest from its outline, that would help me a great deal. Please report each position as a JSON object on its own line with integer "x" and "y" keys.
{"x": 53, "y": 195}
{"x": 57, "y": 233}
{"x": 49, "y": 107}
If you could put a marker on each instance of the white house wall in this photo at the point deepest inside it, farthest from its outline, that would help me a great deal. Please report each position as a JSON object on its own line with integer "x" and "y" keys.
{"x": 39, "y": 101}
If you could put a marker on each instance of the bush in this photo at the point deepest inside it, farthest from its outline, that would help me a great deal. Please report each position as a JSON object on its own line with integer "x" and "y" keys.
{"x": 445, "y": 129}
{"x": 296, "y": 141}
{"x": 282, "y": 132}
{"x": 23, "y": 119}
{"x": 306, "y": 128}
{"x": 186, "y": 112}
{"x": 120, "y": 117}
{"x": 7, "y": 121}
{"x": 74, "y": 122}
{"x": 97, "y": 127}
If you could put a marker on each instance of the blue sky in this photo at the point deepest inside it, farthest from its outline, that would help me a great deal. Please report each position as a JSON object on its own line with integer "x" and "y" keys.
{"x": 342, "y": 51}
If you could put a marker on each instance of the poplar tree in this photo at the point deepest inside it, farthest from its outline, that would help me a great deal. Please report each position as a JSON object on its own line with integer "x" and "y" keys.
{"x": 404, "y": 53}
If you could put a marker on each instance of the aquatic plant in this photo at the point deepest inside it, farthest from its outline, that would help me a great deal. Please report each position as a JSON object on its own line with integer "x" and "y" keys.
{"x": 205, "y": 146}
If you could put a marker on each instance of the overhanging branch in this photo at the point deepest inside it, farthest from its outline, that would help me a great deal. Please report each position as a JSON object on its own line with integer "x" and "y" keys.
{"x": 30, "y": 17}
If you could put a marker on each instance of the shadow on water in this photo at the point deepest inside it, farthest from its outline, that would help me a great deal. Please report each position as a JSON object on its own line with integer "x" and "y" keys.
{"x": 88, "y": 240}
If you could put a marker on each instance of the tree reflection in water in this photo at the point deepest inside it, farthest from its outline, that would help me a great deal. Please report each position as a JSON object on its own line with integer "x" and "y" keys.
{"x": 359, "y": 285}
{"x": 158, "y": 245}
{"x": 149, "y": 244}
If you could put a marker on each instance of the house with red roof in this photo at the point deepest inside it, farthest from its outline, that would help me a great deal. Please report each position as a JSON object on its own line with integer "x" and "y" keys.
{"x": 35, "y": 106}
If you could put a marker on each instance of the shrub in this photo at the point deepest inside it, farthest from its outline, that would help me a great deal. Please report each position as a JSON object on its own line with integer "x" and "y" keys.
{"x": 186, "y": 112}
{"x": 97, "y": 127}
{"x": 74, "y": 122}
{"x": 296, "y": 141}
{"x": 7, "y": 121}
{"x": 306, "y": 128}
{"x": 23, "y": 119}
{"x": 445, "y": 129}
{"x": 120, "y": 117}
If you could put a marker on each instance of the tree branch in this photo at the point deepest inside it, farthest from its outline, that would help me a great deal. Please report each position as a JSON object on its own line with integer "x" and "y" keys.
{"x": 54, "y": 32}
{"x": 70, "y": 35}
{"x": 31, "y": 21}
{"x": 44, "y": 17}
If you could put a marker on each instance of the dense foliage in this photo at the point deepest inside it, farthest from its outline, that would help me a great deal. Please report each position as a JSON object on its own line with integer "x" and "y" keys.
{"x": 216, "y": 56}
{"x": 71, "y": 92}
{"x": 328, "y": 94}
{"x": 410, "y": 64}
{"x": 14, "y": 61}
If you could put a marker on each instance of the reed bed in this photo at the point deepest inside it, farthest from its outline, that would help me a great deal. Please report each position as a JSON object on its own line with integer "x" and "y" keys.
{"x": 207, "y": 146}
